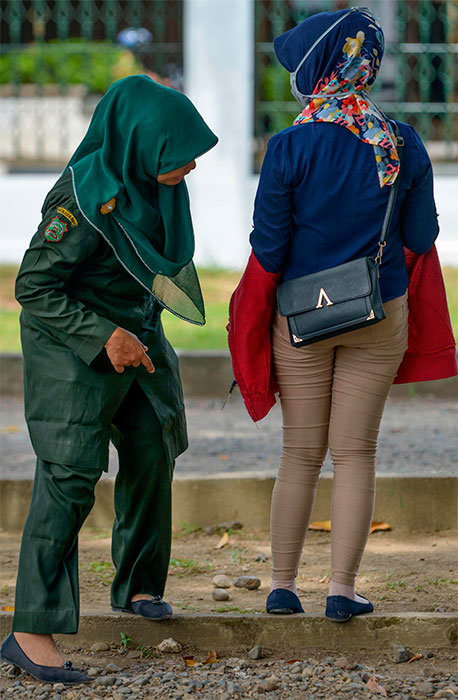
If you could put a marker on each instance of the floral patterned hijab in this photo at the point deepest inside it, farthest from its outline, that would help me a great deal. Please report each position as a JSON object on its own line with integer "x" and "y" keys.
{"x": 334, "y": 58}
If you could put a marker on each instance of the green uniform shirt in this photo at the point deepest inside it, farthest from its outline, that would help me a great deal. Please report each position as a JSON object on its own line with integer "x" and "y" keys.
{"x": 74, "y": 293}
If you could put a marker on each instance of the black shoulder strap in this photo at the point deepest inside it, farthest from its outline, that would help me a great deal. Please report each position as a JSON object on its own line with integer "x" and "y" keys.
{"x": 393, "y": 194}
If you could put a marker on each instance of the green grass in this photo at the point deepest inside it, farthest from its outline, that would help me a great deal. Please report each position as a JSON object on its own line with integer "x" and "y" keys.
{"x": 9, "y": 337}
{"x": 217, "y": 286}
{"x": 451, "y": 286}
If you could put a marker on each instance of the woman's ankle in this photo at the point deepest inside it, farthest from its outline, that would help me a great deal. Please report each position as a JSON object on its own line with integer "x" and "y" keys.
{"x": 287, "y": 585}
{"x": 345, "y": 589}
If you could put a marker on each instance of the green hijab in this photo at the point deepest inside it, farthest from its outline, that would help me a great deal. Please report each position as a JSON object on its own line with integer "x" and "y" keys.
{"x": 139, "y": 130}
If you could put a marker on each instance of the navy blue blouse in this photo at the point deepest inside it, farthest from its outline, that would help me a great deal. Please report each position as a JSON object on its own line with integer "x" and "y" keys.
{"x": 319, "y": 204}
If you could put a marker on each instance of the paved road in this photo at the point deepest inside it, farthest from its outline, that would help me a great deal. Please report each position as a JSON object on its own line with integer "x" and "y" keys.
{"x": 418, "y": 437}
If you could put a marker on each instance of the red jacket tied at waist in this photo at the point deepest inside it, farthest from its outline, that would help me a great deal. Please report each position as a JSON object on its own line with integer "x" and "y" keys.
{"x": 430, "y": 354}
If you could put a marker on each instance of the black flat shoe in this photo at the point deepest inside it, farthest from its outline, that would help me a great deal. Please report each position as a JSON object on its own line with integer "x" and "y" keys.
{"x": 155, "y": 609}
{"x": 12, "y": 653}
{"x": 339, "y": 608}
{"x": 281, "y": 601}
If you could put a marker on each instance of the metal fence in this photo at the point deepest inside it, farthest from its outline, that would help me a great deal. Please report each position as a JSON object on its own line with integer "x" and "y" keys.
{"x": 417, "y": 81}
{"x": 59, "y": 56}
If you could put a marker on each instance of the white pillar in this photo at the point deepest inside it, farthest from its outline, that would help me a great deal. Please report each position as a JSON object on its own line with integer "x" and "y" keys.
{"x": 218, "y": 78}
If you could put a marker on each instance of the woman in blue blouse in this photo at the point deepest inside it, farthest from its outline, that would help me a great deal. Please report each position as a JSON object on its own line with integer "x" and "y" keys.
{"x": 321, "y": 199}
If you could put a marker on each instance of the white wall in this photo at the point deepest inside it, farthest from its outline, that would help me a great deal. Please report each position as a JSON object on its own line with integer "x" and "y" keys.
{"x": 219, "y": 78}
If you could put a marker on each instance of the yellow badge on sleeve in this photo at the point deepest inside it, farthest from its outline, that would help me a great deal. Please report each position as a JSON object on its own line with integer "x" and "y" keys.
{"x": 68, "y": 215}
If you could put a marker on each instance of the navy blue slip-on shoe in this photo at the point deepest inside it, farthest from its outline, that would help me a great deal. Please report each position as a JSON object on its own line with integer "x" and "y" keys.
{"x": 283, "y": 602}
{"x": 339, "y": 608}
{"x": 155, "y": 609}
{"x": 12, "y": 653}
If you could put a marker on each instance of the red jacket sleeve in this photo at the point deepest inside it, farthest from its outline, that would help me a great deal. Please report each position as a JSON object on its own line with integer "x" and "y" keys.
{"x": 431, "y": 353}
{"x": 250, "y": 317}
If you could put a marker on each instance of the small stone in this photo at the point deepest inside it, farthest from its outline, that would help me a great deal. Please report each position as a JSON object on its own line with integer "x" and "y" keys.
{"x": 221, "y": 581}
{"x": 344, "y": 662}
{"x": 13, "y": 671}
{"x": 256, "y": 653}
{"x": 261, "y": 557}
{"x": 427, "y": 654}
{"x": 329, "y": 660}
{"x": 112, "y": 668}
{"x": 249, "y": 582}
{"x": 100, "y": 646}
{"x": 169, "y": 646}
{"x": 93, "y": 672}
{"x": 141, "y": 681}
{"x": 400, "y": 654}
{"x": 271, "y": 683}
{"x": 220, "y": 594}
{"x": 425, "y": 687}
{"x": 444, "y": 693}
{"x": 355, "y": 687}
{"x": 106, "y": 680}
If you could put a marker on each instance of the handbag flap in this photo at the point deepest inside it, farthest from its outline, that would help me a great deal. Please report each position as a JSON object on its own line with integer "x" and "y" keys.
{"x": 320, "y": 289}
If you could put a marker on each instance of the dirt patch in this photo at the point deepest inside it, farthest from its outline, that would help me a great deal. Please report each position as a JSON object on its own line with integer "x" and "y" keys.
{"x": 415, "y": 572}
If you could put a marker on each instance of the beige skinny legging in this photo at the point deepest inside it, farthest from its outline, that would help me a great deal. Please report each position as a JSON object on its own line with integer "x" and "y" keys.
{"x": 332, "y": 395}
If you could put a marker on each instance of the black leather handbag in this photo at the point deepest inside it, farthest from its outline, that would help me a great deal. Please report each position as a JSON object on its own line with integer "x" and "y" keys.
{"x": 339, "y": 299}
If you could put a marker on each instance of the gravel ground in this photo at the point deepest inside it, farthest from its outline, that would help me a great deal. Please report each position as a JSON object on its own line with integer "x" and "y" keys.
{"x": 418, "y": 437}
{"x": 119, "y": 673}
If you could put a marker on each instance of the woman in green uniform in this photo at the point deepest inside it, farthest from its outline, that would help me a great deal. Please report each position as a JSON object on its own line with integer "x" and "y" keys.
{"x": 114, "y": 248}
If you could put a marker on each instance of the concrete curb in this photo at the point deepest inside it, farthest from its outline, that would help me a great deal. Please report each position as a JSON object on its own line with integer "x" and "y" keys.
{"x": 208, "y": 374}
{"x": 228, "y": 633}
{"x": 407, "y": 503}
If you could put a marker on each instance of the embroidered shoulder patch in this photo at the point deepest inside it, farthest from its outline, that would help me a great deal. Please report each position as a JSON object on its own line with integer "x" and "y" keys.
{"x": 68, "y": 215}
{"x": 55, "y": 230}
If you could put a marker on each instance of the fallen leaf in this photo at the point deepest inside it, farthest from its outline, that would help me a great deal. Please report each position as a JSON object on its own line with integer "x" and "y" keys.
{"x": 415, "y": 658}
{"x": 320, "y": 525}
{"x": 397, "y": 430}
{"x": 223, "y": 457}
{"x": 212, "y": 658}
{"x": 223, "y": 541}
{"x": 7, "y": 608}
{"x": 379, "y": 526}
{"x": 189, "y": 660}
{"x": 10, "y": 429}
{"x": 323, "y": 579}
{"x": 326, "y": 526}
{"x": 376, "y": 687}
{"x": 293, "y": 661}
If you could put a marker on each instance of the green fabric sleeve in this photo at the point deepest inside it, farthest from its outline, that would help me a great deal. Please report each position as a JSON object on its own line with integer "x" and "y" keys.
{"x": 42, "y": 286}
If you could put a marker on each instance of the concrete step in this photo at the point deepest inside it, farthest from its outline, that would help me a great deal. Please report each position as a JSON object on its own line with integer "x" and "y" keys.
{"x": 230, "y": 633}
{"x": 407, "y": 503}
{"x": 208, "y": 374}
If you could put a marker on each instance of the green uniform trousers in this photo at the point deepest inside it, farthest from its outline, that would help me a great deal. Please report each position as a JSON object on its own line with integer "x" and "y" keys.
{"x": 47, "y": 595}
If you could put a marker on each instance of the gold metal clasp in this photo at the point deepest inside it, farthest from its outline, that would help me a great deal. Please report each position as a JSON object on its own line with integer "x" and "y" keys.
{"x": 378, "y": 257}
